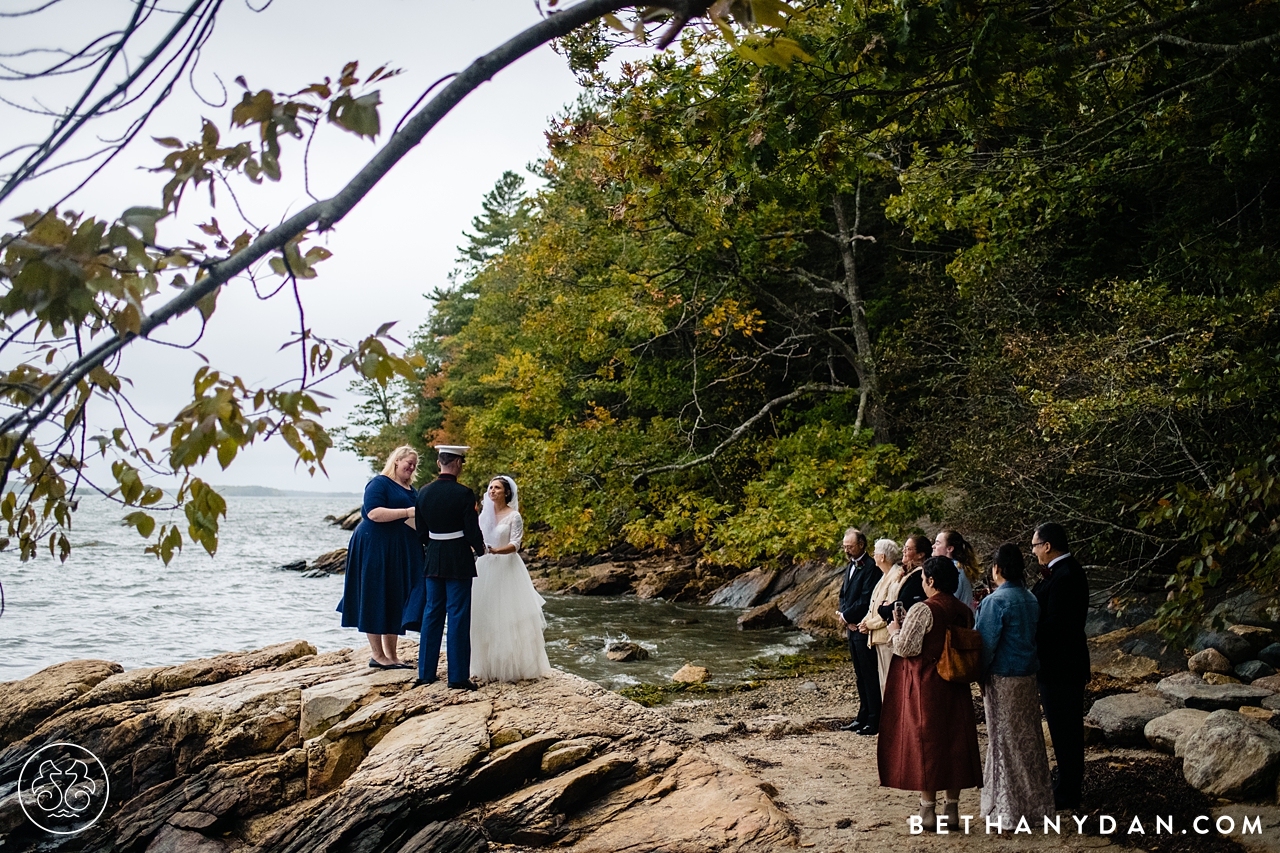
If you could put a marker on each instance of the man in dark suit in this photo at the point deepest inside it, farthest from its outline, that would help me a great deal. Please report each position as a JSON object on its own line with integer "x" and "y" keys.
{"x": 860, "y": 579}
{"x": 450, "y": 531}
{"x": 1063, "y": 594}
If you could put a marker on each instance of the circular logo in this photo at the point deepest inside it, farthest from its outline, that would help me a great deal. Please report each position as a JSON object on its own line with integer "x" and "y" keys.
{"x": 63, "y": 788}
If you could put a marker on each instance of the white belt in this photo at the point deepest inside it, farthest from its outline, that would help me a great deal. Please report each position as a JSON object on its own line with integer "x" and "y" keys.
{"x": 457, "y": 534}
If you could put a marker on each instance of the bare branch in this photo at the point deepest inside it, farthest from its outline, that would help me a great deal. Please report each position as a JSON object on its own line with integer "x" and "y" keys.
{"x": 740, "y": 431}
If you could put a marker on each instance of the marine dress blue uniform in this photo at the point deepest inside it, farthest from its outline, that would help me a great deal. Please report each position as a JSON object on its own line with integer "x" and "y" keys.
{"x": 449, "y": 530}
{"x": 384, "y": 563}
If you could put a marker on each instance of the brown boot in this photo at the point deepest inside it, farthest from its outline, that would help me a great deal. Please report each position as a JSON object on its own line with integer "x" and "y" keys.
{"x": 928, "y": 818}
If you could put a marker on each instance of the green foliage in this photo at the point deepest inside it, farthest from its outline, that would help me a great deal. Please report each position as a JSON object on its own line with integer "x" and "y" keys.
{"x": 1230, "y": 534}
{"x": 820, "y": 479}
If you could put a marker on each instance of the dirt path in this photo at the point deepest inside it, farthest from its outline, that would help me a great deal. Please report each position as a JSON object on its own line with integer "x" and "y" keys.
{"x": 785, "y": 733}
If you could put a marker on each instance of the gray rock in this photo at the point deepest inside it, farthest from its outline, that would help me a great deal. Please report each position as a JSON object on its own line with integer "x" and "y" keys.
{"x": 1268, "y": 682}
{"x": 1163, "y": 732}
{"x": 1188, "y": 690}
{"x": 1209, "y": 660}
{"x": 1272, "y": 702}
{"x": 1235, "y": 647}
{"x": 1232, "y": 756}
{"x": 1251, "y": 669}
{"x": 295, "y": 566}
{"x": 623, "y": 652}
{"x": 1100, "y": 621}
{"x": 1123, "y": 717}
{"x": 1270, "y": 655}
{"x": 746, "y": 590}
{"x": 1249, "y": 608}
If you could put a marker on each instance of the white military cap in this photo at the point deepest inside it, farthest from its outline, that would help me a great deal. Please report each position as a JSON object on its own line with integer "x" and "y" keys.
{"x": 455, "y": 449}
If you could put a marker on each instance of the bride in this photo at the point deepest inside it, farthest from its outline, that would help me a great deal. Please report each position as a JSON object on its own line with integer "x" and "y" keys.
{"x": 506, "y": 611}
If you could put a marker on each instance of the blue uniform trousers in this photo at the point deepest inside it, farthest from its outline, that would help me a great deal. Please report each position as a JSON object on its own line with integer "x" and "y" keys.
{"x": 451, "y": 596}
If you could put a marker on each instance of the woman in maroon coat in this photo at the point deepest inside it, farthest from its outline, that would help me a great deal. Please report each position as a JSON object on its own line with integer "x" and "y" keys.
{"x": 928, "y": 737}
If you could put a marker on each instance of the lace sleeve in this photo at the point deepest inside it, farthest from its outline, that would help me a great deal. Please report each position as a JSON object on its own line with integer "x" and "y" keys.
{"x": 517, "y": 530}
{"x": 910, "y": 640}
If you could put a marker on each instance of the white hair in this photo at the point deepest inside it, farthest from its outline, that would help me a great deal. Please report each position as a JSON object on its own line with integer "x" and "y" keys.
{"x": 888, "y": 548}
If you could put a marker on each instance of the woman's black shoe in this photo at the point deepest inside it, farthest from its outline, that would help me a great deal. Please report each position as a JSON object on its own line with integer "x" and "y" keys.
{"x": 464, "y": 685}
{"x": 373, "y": 664}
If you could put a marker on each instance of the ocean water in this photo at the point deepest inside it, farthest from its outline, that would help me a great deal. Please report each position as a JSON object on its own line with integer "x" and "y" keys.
{"x": 110, "y": 601}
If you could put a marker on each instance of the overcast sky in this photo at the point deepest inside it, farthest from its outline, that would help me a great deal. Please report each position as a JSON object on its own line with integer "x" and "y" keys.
{"x": 400, "y": 242}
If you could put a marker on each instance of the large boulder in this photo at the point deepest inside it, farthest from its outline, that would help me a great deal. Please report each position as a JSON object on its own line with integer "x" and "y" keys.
{"x": 1236, "y": 648}
{"x": 1209, "y": 660}
{"x": 28, "y": 702}
{"x": 1122, "y": 718}
{"x": 763, "y": 617}
{"x": 1232, "y": 756}
{"x": 746, "y": 590}
{"x": 1187, "y": 690}
{"x": 667, "y": 584}
{"x": 607, "y": 579}
{"x": 819, "y": 618}
{"x": 1163, "y": 732}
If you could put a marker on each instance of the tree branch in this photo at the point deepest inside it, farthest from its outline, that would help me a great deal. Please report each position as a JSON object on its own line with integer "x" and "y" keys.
{"x": 738, "y": 432}
{"x": 324, "y": 214}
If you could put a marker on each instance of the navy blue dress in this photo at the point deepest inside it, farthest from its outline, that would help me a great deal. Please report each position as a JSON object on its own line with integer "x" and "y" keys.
{"x": 384, "y": 563}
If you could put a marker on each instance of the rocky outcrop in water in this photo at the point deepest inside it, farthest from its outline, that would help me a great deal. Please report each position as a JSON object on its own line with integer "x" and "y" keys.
{"x": 284, "y": 749}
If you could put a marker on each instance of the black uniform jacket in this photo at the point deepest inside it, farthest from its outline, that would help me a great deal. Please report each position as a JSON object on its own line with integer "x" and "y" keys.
{"x": 1060, "y": 640}
{"x": 447, "y": 506}
{"x": 856, "y": 589}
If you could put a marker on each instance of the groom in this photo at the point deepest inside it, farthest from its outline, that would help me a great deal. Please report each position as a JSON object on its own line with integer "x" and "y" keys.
{"x": 450, "y": 531}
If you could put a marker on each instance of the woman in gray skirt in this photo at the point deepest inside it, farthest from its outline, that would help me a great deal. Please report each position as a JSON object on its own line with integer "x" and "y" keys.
{"x": 1015, "y": 782}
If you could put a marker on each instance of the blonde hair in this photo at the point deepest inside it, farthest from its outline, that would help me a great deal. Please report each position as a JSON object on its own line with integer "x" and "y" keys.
{"x": 396, "y": 455}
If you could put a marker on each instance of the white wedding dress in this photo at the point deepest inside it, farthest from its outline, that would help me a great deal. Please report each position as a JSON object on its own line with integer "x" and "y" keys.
{"x": 506, "y": 611}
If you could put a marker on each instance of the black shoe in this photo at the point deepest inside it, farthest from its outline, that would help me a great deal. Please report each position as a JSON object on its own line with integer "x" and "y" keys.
{"x": 869, "y": 730}
{"x": 463, "y": 685}
{"x": 373, "y": 664}
{"x": 853, "y": 726}
{"x": 421, "y": 682}
{"x": 403, "y": 666}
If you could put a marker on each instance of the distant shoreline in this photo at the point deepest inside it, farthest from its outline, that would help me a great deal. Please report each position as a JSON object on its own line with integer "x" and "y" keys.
{"x": 268, "y": 492}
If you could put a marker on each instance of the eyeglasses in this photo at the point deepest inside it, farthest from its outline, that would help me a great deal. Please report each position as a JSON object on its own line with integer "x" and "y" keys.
{"x": 1035, "y": 545}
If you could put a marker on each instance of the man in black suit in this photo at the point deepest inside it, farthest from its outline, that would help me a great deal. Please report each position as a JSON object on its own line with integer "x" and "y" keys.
{"x": 450, "y": 531}
{"x": 1063, "y": 594}
{"x": 860, "y": 579}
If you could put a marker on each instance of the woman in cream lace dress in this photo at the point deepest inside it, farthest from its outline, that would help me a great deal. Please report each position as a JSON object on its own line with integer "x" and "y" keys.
{"x": 506, "y": 611}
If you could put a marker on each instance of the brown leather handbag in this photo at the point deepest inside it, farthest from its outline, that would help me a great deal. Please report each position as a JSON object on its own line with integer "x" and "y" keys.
{"x": 961, "y": 661}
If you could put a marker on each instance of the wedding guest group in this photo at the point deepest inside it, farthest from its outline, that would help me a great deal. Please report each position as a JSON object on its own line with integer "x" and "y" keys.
{"x": 1034, "y": 657}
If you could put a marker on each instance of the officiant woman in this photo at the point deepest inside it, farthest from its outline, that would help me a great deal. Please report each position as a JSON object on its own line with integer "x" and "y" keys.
{"x": 384, "y": 560}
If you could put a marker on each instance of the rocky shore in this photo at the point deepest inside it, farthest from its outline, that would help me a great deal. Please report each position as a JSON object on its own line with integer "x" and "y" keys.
{"x": 283, "y": 749}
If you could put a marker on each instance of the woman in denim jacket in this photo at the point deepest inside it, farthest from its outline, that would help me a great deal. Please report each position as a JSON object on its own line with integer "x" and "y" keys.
{"x": 1015, "y": 783}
